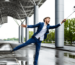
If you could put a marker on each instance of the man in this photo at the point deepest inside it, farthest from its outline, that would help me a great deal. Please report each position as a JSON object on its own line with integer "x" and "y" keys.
{"x": 39, "y": 36}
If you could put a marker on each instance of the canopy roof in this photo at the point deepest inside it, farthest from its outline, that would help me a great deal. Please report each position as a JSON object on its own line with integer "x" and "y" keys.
{"x": 18, "y": 9}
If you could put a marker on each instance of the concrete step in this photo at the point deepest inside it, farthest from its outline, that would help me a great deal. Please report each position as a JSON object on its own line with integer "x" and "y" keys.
{"x": 6, "y": 52}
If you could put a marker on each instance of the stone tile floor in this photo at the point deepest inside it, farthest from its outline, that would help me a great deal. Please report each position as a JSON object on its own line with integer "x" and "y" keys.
{"x": 52, "y": 57}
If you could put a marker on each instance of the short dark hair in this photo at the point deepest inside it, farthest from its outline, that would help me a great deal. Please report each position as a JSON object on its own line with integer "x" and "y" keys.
{"x": 45, "y": 18}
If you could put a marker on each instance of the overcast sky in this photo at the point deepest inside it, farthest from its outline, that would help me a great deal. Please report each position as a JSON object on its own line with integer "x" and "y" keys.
{"x": 10, "y": 29}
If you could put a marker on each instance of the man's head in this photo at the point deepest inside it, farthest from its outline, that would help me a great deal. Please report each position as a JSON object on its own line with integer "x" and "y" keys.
{"x": 46, "y": 20}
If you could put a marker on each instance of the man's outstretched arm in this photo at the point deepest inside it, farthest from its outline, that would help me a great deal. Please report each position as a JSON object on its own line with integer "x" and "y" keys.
{"x": 31, "y": 26}
{"x": 51, "y": 27}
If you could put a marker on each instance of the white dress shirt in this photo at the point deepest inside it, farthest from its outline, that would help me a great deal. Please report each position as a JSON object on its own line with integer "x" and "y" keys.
{"x": 42, "y": 32}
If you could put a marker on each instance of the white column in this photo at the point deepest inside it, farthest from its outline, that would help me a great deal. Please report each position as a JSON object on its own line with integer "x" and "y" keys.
{"x": 22, "y": 34}
{"x": 59, "y": 16}
{"x": 27, "y": 37}
{"x": 36, "y": 12}
{"x": 19, "y": 39}
{"x": 36, "y": 7}
{"x": 26, "y": 29}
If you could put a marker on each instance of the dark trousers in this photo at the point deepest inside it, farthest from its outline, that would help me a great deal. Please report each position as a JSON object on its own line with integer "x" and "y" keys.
{"x": 37, "y": 43}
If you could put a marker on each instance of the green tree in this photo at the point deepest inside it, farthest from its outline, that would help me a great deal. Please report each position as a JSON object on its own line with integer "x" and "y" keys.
{"x": 69, "y": 30}
{"x": 30, "y": 34}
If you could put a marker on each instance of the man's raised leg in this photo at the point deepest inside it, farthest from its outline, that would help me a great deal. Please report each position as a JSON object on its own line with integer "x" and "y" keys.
{"x": 31, "y": 40}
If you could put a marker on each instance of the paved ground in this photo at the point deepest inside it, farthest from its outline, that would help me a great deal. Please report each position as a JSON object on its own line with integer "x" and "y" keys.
{"x": 52, "y": 57}
{"x": 65, "y": 48}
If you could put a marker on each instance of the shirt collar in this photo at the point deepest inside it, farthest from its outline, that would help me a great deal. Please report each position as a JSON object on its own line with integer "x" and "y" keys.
{"x": 45, "y": 24}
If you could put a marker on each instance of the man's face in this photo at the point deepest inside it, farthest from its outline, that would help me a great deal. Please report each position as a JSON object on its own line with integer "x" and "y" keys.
{"x": 47, "y": 20}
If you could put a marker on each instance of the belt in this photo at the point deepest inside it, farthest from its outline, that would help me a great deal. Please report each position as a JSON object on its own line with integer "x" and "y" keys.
{"x": 36, "y": 38}
{"x": 39, "y": 39}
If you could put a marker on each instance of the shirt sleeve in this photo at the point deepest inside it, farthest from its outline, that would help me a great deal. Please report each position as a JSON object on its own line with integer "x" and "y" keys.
{"x": 55, "y": 26}
{"x": 33, "y": 26}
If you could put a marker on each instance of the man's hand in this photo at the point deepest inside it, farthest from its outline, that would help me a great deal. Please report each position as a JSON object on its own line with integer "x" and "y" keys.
{"x": 24, "y": 25}
{"x": 63, "y": 21}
